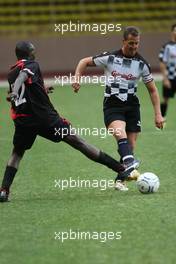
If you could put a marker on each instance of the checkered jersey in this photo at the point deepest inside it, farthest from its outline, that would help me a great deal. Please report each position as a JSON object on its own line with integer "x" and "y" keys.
{"x": 168, "y": 56}
{"x": 122, "y": 73}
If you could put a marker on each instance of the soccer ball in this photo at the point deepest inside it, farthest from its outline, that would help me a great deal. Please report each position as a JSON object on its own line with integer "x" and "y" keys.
{"x": 148, "y": 182}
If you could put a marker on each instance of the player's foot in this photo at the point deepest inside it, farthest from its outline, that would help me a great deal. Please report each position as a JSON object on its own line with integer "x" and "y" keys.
{"x": 121, "y": 186}
{"x": 133, "y": 176}
{"x": 128, "y": 174}
{"x": 4, "y": 195}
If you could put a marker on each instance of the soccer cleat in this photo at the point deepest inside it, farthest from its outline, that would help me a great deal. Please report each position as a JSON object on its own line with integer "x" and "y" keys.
{"x": 128, "y": 174}
{"x": 133, "y": 175}
{"x": 4, "y": 195}
{"x": 120, "y": 186}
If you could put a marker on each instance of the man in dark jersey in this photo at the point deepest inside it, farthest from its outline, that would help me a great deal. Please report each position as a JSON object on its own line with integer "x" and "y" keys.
{"x": 33, "y": 115}
{"x": 123, "y": 68}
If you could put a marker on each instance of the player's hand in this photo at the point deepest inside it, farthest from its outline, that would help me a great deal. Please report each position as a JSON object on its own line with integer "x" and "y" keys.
{"x": 13, "y": 97}
{"x": 8, "y": 97}
{"x": 159, "y": 121}
{"x": 167, "y": 83}
{"x": 49, "y": 89}
{"x": 76, "y": 87}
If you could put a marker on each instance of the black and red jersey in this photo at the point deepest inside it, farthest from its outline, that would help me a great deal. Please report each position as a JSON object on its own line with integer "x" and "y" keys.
{"x": 33, "y": 105}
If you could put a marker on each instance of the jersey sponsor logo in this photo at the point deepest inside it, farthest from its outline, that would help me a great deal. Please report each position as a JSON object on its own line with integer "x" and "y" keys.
{"x": 123, "y": 75}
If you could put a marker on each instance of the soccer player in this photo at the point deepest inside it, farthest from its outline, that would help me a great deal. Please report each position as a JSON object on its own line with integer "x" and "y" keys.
{"x": 33, "y": 115}
{"x": 123, "y": 68}
{"x": 167, "y": 58}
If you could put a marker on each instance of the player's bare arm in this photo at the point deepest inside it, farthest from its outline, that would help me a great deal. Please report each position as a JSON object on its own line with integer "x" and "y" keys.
{"x": 153, "y": 91}
{"x": 164, "y": 73}
{"x": 81, "y": 67}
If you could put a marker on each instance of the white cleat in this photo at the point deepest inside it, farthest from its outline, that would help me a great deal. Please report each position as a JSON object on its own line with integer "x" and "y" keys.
{"x": 120, "y": 186}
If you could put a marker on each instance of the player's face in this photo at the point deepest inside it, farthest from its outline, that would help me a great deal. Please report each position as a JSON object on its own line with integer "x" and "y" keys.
{"x": 130, "y": 46}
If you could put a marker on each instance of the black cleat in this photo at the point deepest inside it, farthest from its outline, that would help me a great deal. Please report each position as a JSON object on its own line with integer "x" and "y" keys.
{"x": 127, "y": 173}
{"x": 4, "y": 195}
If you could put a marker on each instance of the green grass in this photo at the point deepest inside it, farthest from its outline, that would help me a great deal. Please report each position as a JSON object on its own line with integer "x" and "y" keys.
{"x": 38, "y": 209}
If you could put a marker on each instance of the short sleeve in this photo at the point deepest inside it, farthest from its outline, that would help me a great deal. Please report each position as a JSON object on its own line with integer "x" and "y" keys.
{"x": 30, "y": 68}
{"x": 101, "y": 59}
{"x": 166, "y": 55}
{"x": 33, "y": 71}
{"x": 146, "y": 74}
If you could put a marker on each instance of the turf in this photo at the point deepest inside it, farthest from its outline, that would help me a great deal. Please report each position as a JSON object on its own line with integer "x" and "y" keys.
{"x": 38, "y": 209}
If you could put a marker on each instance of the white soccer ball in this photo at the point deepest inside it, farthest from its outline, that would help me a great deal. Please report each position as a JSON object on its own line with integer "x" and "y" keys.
{"x": 148, "y": 182}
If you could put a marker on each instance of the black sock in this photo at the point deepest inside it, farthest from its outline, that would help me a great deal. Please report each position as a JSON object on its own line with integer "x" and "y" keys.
{"x": 125, "y": 150}
{"x": 8, "y": 177}
{"x": 110, "y": 162}
{"x": 163, "y": 109}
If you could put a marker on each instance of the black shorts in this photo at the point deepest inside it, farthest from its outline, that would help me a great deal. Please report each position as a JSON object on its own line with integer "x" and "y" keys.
{"x": 128, "y": 111}
{"x": 169, "y": 93}
{"x": 25, "y": 136}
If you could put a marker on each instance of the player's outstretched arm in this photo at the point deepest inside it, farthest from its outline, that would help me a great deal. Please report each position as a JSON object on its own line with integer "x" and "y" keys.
{"x": 153, "y": 91}
{"x": 82, "y": 65}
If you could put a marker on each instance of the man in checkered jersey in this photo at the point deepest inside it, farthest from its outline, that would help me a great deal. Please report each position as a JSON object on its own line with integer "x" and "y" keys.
{"x": 167, "y": 57}
{"x": 123, "y": 69}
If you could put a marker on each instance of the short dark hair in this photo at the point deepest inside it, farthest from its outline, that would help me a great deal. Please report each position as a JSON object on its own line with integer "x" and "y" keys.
{"x": 23, "y": 49}
{"x": 173, "y": 27}
{"x": 134, "y": 31}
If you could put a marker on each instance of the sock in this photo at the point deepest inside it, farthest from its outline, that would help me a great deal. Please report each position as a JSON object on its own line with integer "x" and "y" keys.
{"x": 125, "y": 150}
{"x": 163, "y": 109}
{"x": 110, "y": 162}
{"x": 8, "y": 177}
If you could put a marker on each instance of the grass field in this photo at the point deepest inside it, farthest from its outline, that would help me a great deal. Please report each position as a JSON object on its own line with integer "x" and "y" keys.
{"x": 38, "y": 209}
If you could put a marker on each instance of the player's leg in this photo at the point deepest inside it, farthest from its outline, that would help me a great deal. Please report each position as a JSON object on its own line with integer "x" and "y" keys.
{"x": 164, "y": 106}
{"x": 167, "y": 94}
{"x": 23, "y": 139}
{"x": 62, "y": 131}
{"x": 93, "y": 153}
{"x": 115, "y": 122}
{"x": 133, "y": 125}
{"x": 132, "y": 138}
{"x": 118, "y": 127}
{"x": 10, "y": 172}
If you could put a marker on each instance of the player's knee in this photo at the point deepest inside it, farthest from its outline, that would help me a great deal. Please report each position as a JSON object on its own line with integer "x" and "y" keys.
{"x": 119, "y": 133}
